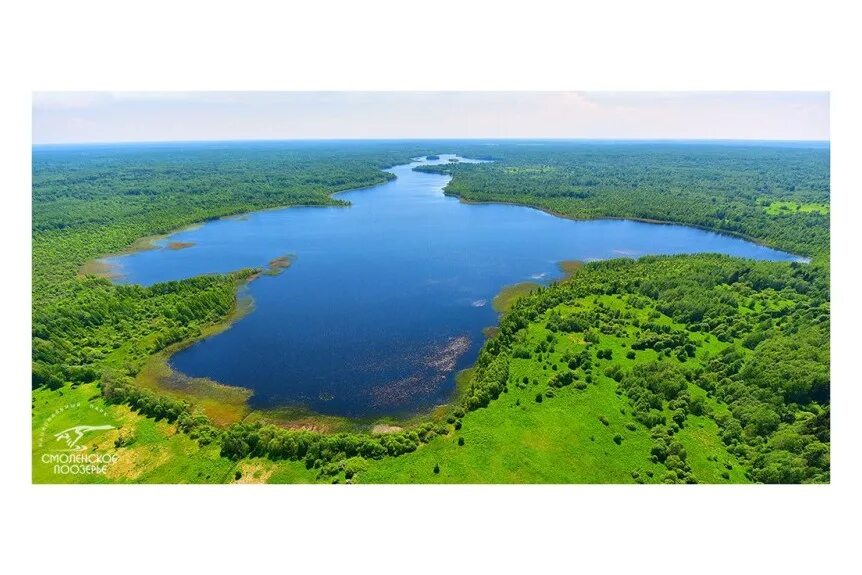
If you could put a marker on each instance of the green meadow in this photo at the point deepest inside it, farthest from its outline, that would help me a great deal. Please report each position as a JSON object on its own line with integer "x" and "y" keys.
{"x": 147, "y": 450}
{"x": 568, "y": 436}
{"x": 788, "y": 207}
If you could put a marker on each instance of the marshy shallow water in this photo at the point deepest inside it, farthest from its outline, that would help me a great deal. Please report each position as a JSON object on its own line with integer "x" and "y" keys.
{"x": 385, "y": 300}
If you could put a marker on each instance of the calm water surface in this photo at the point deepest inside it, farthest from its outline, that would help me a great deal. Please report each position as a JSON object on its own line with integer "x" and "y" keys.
{"x": 387, "y": 298}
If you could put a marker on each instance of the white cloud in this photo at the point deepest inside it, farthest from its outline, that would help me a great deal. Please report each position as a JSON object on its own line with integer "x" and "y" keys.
{"x": 140, "y": 116}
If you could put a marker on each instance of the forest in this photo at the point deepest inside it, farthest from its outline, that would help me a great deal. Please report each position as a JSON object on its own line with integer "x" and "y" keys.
{"x": 732, "y": 189}
{"x": 718, "y": 368}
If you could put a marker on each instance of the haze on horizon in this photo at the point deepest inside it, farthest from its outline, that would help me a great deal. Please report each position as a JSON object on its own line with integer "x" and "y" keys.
{"x": 104, "y": 117}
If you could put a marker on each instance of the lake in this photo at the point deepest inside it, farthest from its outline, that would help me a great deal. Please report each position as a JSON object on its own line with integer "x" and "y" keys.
{"x": 385, "y": 300}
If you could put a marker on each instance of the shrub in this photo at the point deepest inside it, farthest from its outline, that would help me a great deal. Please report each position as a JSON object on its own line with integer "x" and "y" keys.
{"x": 124, "y": 439}
{"x": 697, "y": 405}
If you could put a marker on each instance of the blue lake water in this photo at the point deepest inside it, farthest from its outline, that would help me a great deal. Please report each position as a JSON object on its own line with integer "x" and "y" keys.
{"x": 386, "y": 299}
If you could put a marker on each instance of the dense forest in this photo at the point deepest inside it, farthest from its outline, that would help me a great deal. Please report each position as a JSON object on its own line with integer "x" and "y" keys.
{"x": 685, "y": 342}
{"x": 734, "y": 189}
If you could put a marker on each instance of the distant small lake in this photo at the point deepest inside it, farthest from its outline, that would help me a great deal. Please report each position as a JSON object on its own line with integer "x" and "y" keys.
{"x": 385, "y": 300}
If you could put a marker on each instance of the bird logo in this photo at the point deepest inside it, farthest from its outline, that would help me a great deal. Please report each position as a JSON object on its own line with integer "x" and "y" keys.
{"x": 74, "y": 434}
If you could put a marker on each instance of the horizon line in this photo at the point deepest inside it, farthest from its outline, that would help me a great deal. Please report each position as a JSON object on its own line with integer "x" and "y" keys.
{"x": 421, "y": 139}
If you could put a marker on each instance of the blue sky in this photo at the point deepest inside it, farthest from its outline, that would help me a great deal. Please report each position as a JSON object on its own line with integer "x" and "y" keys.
{"x": 72, "y": 117}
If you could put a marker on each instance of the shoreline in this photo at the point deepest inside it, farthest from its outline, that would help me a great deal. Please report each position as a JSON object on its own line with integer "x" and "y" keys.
{"x": 297, "y": 416}
{"x": 100, "y": 268}
{"x": 557, "y": 214}
{"x": 106, "y": 270}
{"x": 225, "y": 404}
{"x": 158, "y": 375}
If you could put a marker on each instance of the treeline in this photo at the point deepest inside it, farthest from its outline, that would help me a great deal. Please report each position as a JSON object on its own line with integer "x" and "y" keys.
{"x": 119, "y": 389}
{"x": 325, "y": 451}
{"x": 98, "y": 325}
{"x": 240, "y": 440}
{"x": 720, "y": 187}
{"x": 318, "y": 449}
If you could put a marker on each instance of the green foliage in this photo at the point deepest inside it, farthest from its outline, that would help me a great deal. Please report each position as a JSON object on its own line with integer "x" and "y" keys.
{"x": 98, "y": 325}
{"x": 319, "y": 450}
{"x": 675, "y": 369}
{"x": 489, "y": 382}
{"x": 770, "y": 400}
{"x": 721, "y": 187}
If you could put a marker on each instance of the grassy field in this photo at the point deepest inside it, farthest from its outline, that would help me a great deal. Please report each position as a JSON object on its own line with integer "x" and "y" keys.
{"x": 149, "y": 451}
{"x": 155, "y": 452}
{"x": 783, "y": 208}
{"x": 563, "y": 438}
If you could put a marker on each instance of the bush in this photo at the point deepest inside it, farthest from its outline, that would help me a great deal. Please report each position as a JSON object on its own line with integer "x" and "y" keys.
{"x": 124, "y": 439}
{"x": 697, "y": 405}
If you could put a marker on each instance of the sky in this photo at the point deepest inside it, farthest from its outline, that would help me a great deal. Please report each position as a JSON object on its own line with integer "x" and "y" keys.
{"x": 83, "y": 117}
